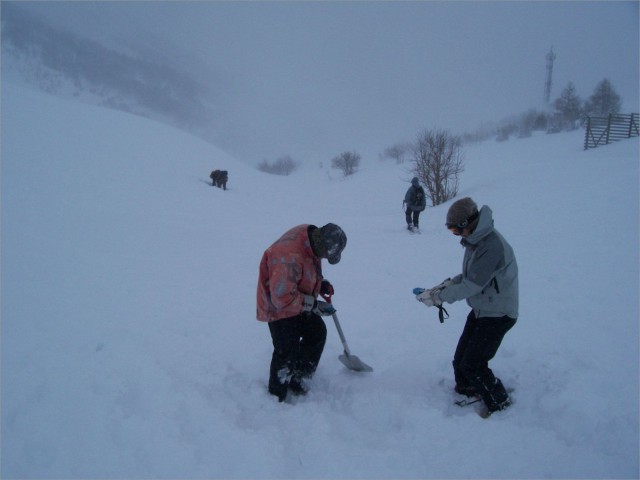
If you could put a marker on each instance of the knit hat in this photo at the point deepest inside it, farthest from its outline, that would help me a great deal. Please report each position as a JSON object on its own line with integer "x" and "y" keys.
{"x": 334, "y": 240}
{"x": 463, "y": 213}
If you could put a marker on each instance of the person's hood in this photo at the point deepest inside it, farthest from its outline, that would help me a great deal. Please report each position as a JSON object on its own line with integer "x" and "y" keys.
{"x": 484, "y": 228}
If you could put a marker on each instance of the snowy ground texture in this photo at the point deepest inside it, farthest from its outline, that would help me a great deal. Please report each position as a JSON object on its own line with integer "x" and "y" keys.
{"x": 130, "y": 347}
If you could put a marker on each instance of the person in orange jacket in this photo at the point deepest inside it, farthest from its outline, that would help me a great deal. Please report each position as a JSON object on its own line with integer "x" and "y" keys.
{"x": 290, "y": 279}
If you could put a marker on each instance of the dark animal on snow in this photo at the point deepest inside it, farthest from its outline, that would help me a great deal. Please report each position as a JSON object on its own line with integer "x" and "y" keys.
{"x": 219, "y": 178}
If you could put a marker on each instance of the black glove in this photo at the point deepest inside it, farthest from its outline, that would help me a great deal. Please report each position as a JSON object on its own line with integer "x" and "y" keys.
{"x": 326, "y": 288}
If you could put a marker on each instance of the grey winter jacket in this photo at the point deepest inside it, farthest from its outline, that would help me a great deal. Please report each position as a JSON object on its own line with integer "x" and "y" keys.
{"x": 489, "y": 279}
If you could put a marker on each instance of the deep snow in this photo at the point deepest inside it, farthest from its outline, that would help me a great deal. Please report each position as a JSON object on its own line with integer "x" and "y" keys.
{"x": 130, "y": 347}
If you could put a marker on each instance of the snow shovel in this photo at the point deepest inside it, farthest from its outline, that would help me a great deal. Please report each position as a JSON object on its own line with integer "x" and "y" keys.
{"x": 350, "y": 361}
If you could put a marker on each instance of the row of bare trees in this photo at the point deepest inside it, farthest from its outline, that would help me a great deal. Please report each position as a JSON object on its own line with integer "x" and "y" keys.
{"x": 346, "y": 162}
{"x": 436, "y": 156}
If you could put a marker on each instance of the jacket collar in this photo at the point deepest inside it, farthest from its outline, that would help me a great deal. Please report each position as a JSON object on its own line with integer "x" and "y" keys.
{"x": 484, "y": 228}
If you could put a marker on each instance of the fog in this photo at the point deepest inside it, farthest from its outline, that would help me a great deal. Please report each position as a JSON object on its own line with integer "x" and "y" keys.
{"x": 314, "y": 79}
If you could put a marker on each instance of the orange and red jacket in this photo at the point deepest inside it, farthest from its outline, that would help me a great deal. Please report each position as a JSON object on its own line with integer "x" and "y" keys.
{"x": 289, "y": 270}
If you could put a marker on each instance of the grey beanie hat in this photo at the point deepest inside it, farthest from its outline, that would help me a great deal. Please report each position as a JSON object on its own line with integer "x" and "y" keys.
{"x": 462, "y": 213}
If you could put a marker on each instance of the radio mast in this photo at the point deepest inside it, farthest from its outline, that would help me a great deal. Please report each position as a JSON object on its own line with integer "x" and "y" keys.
{"x": 547, "y": 82}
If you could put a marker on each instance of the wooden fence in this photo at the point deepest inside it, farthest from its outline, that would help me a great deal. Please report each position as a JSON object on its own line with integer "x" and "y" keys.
{"x": 604, "y": 130}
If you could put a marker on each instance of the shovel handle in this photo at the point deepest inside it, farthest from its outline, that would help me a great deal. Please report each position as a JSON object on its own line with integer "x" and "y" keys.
{"x": 327, "y": 298}
{"x": 342, "y": 338}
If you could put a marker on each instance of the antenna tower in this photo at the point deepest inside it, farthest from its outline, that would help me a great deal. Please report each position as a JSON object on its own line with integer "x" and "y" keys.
{"x": 547, "y": 82}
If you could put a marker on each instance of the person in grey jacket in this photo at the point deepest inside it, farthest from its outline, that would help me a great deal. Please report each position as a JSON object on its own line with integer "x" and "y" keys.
{"x": 415, "y": 201}
{"x": 489, "y": 284}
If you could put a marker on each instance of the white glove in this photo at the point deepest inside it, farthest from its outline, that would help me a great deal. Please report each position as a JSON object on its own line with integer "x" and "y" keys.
{"x": 317, "y": 306}
{"x": 308, "y": 303}
{"x": 324, "y": 309}
{"x": 429, "y": 297}
{"x": 435, "y": 291}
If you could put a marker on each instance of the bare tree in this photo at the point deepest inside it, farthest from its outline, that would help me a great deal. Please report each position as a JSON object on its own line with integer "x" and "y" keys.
{"x": 397, "y": 152}
{"x": 438, "y": 161}
{"x": 348, "y": 162}
{"x": 282, "y": 166}
{"x": 286, "y": 165}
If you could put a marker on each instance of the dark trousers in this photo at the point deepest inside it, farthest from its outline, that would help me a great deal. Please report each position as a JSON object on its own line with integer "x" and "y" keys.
{"x": 478, "y": 344}
{"x": 412, "y": 216}
{"x": 298, "y": 343}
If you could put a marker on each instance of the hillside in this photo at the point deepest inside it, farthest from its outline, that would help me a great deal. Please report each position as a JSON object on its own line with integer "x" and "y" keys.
{"x": 130, "y": 347}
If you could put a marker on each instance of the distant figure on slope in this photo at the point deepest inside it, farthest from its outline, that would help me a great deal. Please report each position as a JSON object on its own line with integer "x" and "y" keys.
{"x": 290, "y": 279}
{"x": 415, "y": 202}
{"x": 214, "y": 177}
{"x": 489, "y": 283}
{"x": 219, "y": 178}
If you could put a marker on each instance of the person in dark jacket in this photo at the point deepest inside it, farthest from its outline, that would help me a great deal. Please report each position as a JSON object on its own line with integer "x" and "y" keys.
{"x": 290, "y": 279}
{"x": 489, "y": 284}
{"x": 415, "y": 202}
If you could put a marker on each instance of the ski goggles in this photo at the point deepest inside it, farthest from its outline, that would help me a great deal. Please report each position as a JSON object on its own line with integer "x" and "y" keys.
{"x": 459, "y": 227}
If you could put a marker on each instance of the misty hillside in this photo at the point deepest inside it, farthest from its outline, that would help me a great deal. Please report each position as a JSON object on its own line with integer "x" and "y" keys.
{"x": 130, "y": 347}
{"x": 310, "y": 80}
{"x": 72, "y": 66}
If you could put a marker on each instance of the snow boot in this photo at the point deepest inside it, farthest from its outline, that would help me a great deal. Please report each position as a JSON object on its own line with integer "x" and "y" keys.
{"x": 486, "y": 411}
{"x": 466, "y": 391}
{"x": 497, "y": 399}
{"x": 297, "y": 387}
{"x": 279, "y": 391}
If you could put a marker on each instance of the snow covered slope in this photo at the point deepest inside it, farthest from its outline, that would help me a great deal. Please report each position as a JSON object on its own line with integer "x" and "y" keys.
{"x": 130, "y": 347}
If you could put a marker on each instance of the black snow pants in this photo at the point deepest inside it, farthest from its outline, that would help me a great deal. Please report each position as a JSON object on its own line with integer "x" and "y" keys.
{"x": 412, "y": 216}
{"x": 477, "y": 345}
{"x": 298, "y": 343}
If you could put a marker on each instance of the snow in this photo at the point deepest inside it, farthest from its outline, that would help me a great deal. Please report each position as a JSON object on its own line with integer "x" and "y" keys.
{"x": 130, "y": 347}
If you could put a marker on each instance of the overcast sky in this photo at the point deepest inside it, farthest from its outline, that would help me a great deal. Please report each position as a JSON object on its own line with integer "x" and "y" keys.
{"x": 314, "y": 79}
